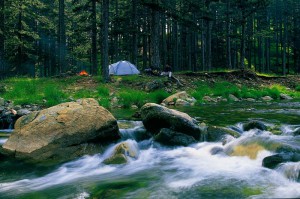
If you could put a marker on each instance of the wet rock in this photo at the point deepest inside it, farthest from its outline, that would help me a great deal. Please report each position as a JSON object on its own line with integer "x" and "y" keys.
{"x": 60, "y": 132}
{"x": 156, "y": 117}
{"x": 122, "y": 151}
{"x": 285, "y": 97}
{"x": 248, "y": 149}
{"x": 273, "y": 161}
{"x": 134, "y": 107}
{"x": 18, "y": 107}
{"x": 267, "y": 98}
{"x": 214, "y": 133}
{"x": 254, "y": 125}
{"x": 180, "y": 98}
{"x": 22, "y": 112}
{"x": 173, "y": 138}
{"x": 233, "y": 98}
{"x": 296, "y": 132}
{"x": 216, "y": 150}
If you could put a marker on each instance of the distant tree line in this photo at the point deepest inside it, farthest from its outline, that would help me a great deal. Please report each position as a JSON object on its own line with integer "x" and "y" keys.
{"x": 51, "y": 37}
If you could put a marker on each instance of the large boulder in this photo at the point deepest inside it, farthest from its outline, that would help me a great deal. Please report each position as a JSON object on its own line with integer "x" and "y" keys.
{"x": 173, "y": 138}
{"x": 122, "y": 152}
{"x": 62, "y": 132}
{"x": 156, "y": 117}
{"x": 180, "y": 99}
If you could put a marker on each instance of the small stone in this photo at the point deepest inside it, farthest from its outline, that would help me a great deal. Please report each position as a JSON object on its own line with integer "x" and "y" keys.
{"x": 22, "y": 112}
{"x": 18, "y": 107}
{"x": 181, "y": 102}
{"x": 285, "y": 97}
{"x": 267, "y": 98}
{"x": 134, "y": 107}
{"x": 2, "y": 102}
{"x": 233, "y": 98}
{"x": 27, "y": 106}
{"x": 250, "y": 100}
{"x": 14, "y": 112}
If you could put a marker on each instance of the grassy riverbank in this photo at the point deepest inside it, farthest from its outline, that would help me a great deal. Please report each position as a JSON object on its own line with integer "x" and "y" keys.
{"x": 125, "y": 91}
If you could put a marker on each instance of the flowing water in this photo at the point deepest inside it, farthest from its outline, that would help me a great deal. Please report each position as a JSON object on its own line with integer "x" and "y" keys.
{"x": 174, "y": 172}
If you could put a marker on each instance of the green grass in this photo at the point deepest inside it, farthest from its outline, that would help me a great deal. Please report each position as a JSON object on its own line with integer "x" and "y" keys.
{"x": 53, "y": 95}
{"x": 158, "y": 96}
{"x": 224, "y": 89}
{"x": 132, "y": 97}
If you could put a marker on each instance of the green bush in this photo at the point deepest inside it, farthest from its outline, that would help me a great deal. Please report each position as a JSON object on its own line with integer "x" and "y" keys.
{"x": 132, "y": 97}
{"x": 105, "y": 102}
{"x": 158, "y": 96}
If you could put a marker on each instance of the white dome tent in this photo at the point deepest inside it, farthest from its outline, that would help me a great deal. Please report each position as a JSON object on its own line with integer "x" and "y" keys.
{"x": 123, "y": 68}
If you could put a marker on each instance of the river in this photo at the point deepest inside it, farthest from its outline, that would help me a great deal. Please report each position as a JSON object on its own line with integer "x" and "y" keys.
{"x": 173, "y": 172}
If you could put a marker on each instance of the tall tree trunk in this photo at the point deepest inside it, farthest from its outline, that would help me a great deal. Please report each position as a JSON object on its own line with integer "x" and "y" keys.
{"x": 2, "y": 66}
{"x": 175, "y": 44}
{"x": 208, "y": 45}
{"x": 135, "y": 32}
{"x": 20, "y": 69}
{"x": 243, "y": 48}
{"x": 105, "y": 21}
{"x": 145, "y": 41}
{"x": 94, "y": 69}
{"x": 155, "y": 60}
{"x": 62, "y": 37}
{"x": 228, "y": 38}
{"x": 164, "y": 41}
{"x": 284, "y": 45}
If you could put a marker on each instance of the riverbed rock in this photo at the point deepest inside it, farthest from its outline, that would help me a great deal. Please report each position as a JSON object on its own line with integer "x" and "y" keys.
{"x": 296, "y": 132}
{"x": 173, "y": 138}
{"x": 233, "y": 98}
{"x": 180, "y": 99}
{"x": 273, "y": 161}
{"x": 62, "y": 132}
{"x": 122, "y": 151}
{"x": 285, "y": 97}
{"x": 209, "y": 99}
{"x": 254, "y": 125}
{"x": 214, "y": 133}
{"x": 22, "y": 112}
{"x": 156, "y": 117}
{"x": 267, "y": 98}
{"x": 2, "y": 102}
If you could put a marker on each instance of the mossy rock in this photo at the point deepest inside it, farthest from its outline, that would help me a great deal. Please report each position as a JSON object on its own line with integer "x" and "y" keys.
{"x": 121, "y": 153}
{"x": 116, "y": 159}
{"x": 254, "y": 125}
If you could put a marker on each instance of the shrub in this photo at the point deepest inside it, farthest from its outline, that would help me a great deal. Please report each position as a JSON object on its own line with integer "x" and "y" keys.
{"x": 132, "y": 97}
{"x": 158, "y": 96}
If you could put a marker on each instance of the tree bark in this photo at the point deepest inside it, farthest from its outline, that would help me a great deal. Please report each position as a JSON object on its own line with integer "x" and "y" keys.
{"x": 62, "y": 37}
{"x": 155, "y": 59}
{"x": 2, "y": 66}
{"x": 228, "y": 38}
{"x": 94, "y": 69}
{"x": 105, "y": 21}
{"x": 135, "y": 33}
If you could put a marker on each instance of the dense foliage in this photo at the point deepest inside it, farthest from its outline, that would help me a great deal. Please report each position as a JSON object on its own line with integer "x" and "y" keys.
{"x": 47, "y": 38}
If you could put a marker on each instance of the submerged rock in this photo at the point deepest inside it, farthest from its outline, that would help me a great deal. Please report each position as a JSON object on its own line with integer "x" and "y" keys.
{"x": 214, "y": 133}
{"x": 254, "y": 125}
{"x": 173, "y": 138}
{"x": 62, "y": 132}
{"x": 156, "y": 117}
{"x": 121, "y": 153}
{"x": 267, "y": 98}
